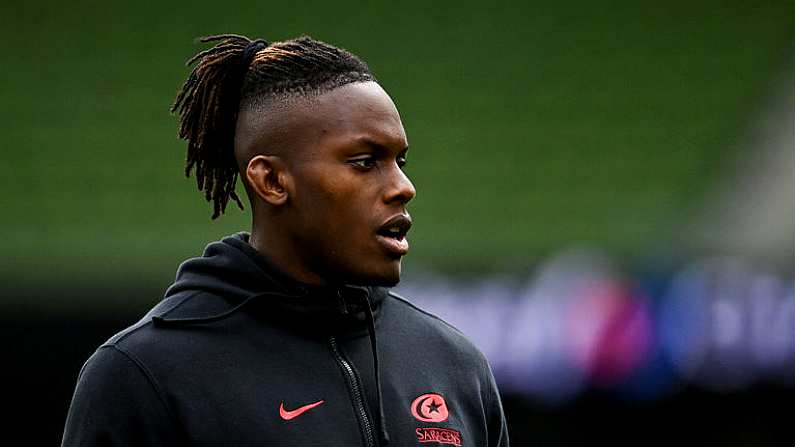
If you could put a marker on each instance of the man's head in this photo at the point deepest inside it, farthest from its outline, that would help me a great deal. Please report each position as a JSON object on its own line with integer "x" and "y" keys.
{"x": 320, "y": 146}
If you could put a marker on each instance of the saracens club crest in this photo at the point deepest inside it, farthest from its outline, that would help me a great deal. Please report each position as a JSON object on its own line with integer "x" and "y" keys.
{"x": 431, "y": 407}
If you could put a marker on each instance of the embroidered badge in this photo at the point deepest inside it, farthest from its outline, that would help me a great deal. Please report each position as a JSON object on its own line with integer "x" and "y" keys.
{"x": 292, "y": 414}
{"x": 430, "y": 407}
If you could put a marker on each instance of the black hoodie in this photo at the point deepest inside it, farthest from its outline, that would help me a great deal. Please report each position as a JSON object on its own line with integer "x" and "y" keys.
{"x": 239, "y": 354}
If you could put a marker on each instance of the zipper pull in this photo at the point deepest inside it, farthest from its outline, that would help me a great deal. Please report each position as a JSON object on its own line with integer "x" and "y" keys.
{"x": 343, "y": 304}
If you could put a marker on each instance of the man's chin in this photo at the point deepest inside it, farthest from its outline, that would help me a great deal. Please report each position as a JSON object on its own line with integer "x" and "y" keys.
{"x": 379, "y": 279}
{"x": 391, "y": 282}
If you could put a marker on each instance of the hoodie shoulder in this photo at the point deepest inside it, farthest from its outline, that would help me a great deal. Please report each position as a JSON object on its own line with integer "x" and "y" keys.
{"x": 166, "y": 306}
{"x": 117, "y": 402}
{"x": 431, "y": 329}
{"x": 414, "y": 308}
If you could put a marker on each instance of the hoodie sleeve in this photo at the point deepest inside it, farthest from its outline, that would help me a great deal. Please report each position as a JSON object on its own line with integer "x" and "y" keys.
{"x": 116, "y": 403}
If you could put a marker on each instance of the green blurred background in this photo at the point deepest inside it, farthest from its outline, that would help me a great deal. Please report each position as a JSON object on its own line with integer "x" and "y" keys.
{"x": 532, "y": 125}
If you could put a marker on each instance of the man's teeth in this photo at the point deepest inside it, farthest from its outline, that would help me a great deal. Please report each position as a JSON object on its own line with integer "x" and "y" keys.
{"x": 393, "y": 232}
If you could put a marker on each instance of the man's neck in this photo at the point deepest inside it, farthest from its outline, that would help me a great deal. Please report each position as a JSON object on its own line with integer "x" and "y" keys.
{"x": 283, "y": 256}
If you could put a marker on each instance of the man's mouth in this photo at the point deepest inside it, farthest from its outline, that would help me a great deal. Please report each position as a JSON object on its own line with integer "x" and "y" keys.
{"x": 392, "y": 234}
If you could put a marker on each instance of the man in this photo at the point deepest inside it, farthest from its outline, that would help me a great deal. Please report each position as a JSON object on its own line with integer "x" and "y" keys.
{"x": 287, "y": 336}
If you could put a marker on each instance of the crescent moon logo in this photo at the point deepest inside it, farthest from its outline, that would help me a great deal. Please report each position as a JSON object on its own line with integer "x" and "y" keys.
{"x": 430, "y": 407}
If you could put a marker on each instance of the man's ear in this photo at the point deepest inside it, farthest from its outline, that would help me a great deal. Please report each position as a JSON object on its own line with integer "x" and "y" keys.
{"x": 268, "y": 177}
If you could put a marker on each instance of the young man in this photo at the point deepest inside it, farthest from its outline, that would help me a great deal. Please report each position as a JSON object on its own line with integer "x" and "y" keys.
{"x": 288, "y": 336}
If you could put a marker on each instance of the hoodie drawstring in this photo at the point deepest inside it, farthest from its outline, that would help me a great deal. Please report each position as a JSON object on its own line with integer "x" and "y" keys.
{"x": 374, "y": 345}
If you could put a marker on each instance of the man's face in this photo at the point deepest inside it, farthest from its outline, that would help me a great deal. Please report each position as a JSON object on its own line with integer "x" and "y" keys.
{"x": 347, "y": 213}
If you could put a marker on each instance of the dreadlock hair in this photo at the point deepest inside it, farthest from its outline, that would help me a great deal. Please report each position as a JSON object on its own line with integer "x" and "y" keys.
{"x": 236, "y": 72}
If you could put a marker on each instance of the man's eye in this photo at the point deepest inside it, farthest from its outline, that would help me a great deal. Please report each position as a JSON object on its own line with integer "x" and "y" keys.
{"x": 401, "y": 161}
{"x": 364, "y": 163}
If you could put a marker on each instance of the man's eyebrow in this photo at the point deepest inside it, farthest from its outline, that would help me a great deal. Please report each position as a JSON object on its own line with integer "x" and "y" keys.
{"x": 378, "y": 147}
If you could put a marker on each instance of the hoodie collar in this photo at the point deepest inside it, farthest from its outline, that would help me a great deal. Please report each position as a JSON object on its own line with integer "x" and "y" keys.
{"x": 233, "y": 270}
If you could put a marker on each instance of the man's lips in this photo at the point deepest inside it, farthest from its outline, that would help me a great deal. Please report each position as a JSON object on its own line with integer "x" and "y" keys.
{"x": 396, "y": 246}
{"x": 392, "y": 234}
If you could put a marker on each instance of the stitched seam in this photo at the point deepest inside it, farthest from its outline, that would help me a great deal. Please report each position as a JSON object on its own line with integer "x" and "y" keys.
{"x": 424, "y": 312}
{"x": 145, "y": 320}
{"x": 490, "y": 400}
{"x": 150, "y": 378}
{"x": 182, "y": 302}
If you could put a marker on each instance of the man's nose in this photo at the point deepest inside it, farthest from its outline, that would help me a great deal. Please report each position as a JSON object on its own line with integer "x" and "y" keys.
{"x": 401, "y": 189}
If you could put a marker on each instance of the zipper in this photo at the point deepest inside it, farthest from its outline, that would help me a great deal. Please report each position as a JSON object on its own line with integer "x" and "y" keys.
{"x": 358, "y": 400}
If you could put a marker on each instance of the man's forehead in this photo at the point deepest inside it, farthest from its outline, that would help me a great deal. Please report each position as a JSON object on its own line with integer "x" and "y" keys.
{"x": 355, "y": 110}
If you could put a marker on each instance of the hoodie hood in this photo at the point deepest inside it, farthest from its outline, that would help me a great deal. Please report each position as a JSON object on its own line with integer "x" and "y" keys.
{"x": 238, "y": 276}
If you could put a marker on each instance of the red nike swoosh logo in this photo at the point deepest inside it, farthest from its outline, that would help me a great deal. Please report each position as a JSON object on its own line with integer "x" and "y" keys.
{"x": 292, "y": 414}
